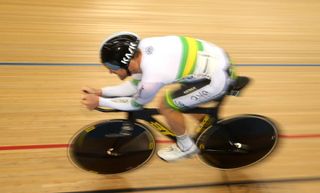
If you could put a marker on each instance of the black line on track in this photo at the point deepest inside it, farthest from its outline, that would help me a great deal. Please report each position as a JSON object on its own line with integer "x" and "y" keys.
{"x": 205, "y": 185}
{"x": 96, "y": 64}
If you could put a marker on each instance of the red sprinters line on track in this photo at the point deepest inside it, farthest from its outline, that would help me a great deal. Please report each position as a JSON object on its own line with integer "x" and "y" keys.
{"x": 300, "y": 136}
{"x": 49, "y": 146}
{"x": 22, "y": 147}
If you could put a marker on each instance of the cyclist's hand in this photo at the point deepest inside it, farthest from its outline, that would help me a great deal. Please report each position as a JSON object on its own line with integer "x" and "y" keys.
{"x": 91, "y": 101}
{"x": 89, "y": 90}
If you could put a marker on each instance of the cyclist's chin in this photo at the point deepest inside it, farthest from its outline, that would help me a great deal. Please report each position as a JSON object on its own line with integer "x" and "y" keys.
{"x": 122, "y": 76}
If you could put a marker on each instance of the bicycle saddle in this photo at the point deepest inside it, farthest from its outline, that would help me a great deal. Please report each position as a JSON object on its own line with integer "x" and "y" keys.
{"x": 239, "y": 84}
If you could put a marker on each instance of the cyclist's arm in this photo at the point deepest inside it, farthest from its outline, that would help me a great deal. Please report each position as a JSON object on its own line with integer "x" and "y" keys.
{"x": 128, "y": 88}
{"x": 120, "y": 103}
{"x": 125, "y": 89}
{"x": 144, "y": 95}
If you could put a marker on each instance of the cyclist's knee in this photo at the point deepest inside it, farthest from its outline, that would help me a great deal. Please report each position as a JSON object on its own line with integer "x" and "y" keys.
{"x": 169, "y": 103}
{"x": 166, "y": 106}
{"x": 162, "y": 105}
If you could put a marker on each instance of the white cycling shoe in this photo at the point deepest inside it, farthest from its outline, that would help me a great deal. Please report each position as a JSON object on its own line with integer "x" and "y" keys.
{"x": 174, "y": 152}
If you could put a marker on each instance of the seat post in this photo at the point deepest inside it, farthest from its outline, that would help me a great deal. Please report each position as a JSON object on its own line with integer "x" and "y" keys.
{"x": 217, "y": 108}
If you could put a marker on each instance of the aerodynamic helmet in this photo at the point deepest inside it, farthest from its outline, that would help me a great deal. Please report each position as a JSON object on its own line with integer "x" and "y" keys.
{"x": 117, "y": 50}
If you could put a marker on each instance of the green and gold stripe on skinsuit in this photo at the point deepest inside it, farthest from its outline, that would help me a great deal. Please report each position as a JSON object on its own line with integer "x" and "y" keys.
{"x": 169, "y": 101}
{"x": 190, "y": 48}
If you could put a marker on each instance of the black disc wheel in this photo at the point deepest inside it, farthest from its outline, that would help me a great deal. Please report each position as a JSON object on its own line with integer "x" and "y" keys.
{"x": 237, "y": 142}
{"x": 111, "y": 147}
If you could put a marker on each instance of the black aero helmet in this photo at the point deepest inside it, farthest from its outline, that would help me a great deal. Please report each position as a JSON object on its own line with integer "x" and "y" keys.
{"x": 118, "y": 49}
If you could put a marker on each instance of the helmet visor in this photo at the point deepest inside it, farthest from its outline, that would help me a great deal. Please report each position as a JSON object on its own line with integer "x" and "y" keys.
{"x": 111, "y": 66}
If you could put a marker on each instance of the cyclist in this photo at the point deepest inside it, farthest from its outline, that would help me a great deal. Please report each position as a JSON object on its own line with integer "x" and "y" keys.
{"x": 201, "y": 68}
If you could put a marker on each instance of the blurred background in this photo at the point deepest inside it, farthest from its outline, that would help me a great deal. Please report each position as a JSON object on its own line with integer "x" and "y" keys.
{"x": 49, "y": 50}
{"x": 252, "y": 31}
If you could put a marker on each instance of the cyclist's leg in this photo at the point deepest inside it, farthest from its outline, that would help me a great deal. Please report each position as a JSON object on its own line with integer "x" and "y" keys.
{"x": 196, "y": 94}
{"x": 185, "y": 145}
{"x": 174, "y": 118}
{"x": 170, "y": 109}
{"x": 186, "y": 97}
{"x": 198, "y": 117}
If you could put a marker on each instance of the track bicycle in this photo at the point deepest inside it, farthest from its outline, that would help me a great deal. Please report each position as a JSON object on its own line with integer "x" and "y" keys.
{"x": 120, "y": 145}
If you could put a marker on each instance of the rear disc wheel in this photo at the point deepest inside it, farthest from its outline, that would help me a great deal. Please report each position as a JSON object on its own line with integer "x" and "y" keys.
{"x": 237, "y": 142}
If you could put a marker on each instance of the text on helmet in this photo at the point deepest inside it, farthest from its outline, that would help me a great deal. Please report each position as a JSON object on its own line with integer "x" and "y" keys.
{"x": 128, "y": 56}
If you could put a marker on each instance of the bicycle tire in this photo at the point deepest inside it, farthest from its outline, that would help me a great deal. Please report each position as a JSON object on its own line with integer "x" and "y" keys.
{"x": 237, "y": 142}
{"x": 111, "y": 146}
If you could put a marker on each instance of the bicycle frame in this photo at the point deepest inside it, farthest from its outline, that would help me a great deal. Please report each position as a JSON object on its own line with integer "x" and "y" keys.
{"x": 147, "y": 114}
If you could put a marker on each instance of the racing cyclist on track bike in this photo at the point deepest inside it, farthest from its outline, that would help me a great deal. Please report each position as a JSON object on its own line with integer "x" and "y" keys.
{"x": 202, "y": 69}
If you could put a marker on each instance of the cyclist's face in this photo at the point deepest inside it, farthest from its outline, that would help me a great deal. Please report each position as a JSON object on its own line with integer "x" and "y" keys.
{"x": 121, "y": 73}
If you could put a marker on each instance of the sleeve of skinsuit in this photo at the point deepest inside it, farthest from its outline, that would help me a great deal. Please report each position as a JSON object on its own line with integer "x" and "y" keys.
{"x": 144, "y": 95}
{"x": 128, "y": 88}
